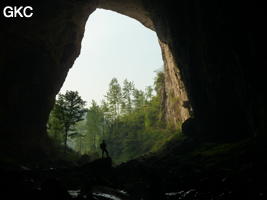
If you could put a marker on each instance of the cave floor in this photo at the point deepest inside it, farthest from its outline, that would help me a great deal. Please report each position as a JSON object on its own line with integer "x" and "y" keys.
{"x": 185, "y": 169}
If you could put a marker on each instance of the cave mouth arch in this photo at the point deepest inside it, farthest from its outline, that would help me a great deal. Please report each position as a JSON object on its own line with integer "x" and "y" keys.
{"x": 37, "y": 62}
{"x": 113, "y": 46}
{"x": 149, "y": 46}
{"x": 176, "y": 111}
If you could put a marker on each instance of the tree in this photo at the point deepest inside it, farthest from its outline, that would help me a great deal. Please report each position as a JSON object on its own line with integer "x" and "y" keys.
{"x": 139, "y": 99}
{"x": 159, "y": 83}
{"x": 130, "y": 121}
{"x": 55, "y": 128}
{"x": 69, "y": 109}
{"x": 80, "y": 142}
{"x": 114, "y": 98}
{"x": 94, "y": 125}
{"x": 127, "y": 92}
{"x": 148, "y": 93}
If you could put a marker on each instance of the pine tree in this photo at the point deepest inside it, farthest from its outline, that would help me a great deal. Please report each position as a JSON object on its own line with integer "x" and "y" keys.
{"x": 69, "y": 109}
{"x": 114, "y": 97}
{"x": 127, "y": 92}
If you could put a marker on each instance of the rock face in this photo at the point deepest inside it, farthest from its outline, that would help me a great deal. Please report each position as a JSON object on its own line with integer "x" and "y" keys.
{"x": 35, "y": 56}
{"x": 218, "y": 49}
{"x": 176, "y": 103}
{"x": 214, "y": 55}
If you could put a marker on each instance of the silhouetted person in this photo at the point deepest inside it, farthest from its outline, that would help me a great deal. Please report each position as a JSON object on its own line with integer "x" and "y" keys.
{"x": 103, "y": 147}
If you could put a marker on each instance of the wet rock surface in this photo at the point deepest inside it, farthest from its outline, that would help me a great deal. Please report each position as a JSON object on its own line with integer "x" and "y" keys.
{"x": 162, "y": 177}
{"x": 57, "y": 184}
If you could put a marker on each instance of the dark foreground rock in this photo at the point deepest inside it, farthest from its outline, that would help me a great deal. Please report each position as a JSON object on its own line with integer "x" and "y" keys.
{"x": 205, "y": 171}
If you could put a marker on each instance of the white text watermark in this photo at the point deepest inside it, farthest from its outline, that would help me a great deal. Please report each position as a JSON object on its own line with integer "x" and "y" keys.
{"x": 18, "y": 11}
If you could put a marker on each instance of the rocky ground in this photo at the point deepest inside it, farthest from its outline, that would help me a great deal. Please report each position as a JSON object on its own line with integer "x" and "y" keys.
{"x": 185, "y": 169}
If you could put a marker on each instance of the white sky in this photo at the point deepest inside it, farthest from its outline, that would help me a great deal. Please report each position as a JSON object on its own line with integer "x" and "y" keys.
{"x": 113, "y": 46}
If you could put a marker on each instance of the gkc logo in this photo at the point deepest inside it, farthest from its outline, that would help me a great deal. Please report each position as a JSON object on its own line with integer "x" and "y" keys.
{"x": 18, "y": 11}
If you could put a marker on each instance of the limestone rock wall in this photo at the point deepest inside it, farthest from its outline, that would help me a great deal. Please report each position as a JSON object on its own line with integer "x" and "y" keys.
{"x": 176, "y": 105}
{"x": 35, "y": 56}
{"x": 219, "y": 49}
{"x": 131, "y": 8}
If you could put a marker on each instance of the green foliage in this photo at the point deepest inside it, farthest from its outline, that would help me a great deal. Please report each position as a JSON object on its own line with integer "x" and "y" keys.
{"x": 127, "y": 92}
{"x": 94, "y": 126}
{"x": 68, "y": 110}
{"x": 114, "y": 98}
{"x": 55, "y": 128}
{"x": 159, "y": 82}
{"x": 128, "y": 119}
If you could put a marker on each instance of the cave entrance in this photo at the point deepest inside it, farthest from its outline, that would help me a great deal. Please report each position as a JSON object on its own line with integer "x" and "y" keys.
{"x": 115, "y": 74}
{"x": 53, "y": 45}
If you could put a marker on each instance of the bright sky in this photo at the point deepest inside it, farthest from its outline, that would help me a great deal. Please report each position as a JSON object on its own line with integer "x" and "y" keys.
{"x": 113, "y": 46}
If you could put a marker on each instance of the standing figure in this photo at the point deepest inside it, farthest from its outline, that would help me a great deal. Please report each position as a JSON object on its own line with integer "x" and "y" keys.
{"x": 103, "y": 147}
